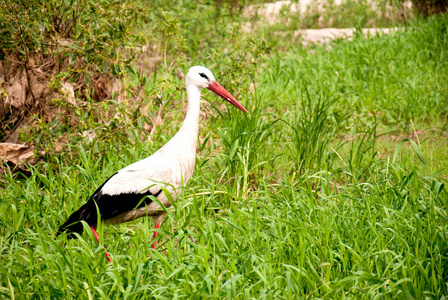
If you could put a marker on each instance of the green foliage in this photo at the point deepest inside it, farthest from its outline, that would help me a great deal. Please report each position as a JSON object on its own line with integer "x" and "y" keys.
{"x": 94, "y": 32}
{"x": 290, "y": 201}
{"x": 335, "y": 14}
{"x": 248, "y": 143}
{"x": 396, "y": 78}
{"x": 314, "y": 126}
{"x": 384, "y": 236}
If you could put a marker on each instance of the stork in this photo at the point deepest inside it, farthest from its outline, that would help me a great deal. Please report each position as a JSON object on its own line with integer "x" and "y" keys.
{"x": 127, "y": 195}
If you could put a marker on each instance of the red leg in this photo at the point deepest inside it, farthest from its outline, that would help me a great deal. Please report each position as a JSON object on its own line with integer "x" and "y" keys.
{"x": 93, "y": 227}
{"x": 157, "y": 221}
{"x": 157, "y": 226}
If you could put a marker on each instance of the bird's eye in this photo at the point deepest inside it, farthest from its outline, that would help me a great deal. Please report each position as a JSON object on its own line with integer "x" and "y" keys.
{"x": 203, "y": 76}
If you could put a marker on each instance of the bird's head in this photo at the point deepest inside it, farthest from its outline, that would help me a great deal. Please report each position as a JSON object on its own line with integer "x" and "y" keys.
{"x": 202, "y": 77}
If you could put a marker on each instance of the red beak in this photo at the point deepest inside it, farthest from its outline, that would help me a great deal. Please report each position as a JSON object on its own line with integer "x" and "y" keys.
{"x": 219, "y": 90}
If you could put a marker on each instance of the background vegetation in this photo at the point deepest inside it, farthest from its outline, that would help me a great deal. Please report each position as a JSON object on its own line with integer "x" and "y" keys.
{"x": 332, "y": 187}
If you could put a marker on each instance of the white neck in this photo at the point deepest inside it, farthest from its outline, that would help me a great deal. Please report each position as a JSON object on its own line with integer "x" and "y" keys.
{"x": 191, "y": 121}
{"x": 183, "y": 145}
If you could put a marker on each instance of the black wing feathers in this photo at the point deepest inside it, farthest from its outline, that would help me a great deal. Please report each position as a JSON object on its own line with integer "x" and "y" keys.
{"x": 109, "y": 206}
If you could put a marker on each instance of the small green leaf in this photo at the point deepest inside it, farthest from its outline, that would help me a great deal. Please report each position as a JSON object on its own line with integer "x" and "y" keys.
{"x": 418, "y": 152}
{"x": 106, "y": 66}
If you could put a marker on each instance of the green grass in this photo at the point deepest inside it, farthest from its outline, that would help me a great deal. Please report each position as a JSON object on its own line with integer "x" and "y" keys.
{"x": 361, "y": 215}
{"x": 397, "y": 78}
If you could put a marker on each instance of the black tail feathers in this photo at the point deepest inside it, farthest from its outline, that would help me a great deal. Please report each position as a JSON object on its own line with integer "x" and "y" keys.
{"x": 71, "y": 227}
{"x": 73, "y": 224}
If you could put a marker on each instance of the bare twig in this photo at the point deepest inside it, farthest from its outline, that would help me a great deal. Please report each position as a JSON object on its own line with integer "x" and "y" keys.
{"x": 139, "y": 96}
{"x": 14, "y": 61}
{"x": 27, "y": 68}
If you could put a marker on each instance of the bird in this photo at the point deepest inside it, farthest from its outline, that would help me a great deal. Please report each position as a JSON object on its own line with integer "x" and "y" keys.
{"x": 130, "y": 193}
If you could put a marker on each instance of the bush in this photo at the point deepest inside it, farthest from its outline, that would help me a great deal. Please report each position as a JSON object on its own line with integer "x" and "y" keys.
{"x": 53, "y": 49}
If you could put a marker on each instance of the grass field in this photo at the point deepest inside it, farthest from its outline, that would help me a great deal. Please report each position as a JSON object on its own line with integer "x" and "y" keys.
{"x": 334, "y": 186}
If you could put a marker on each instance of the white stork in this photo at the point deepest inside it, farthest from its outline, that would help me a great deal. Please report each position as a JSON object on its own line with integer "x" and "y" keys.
{"x": 125, "y": 195}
